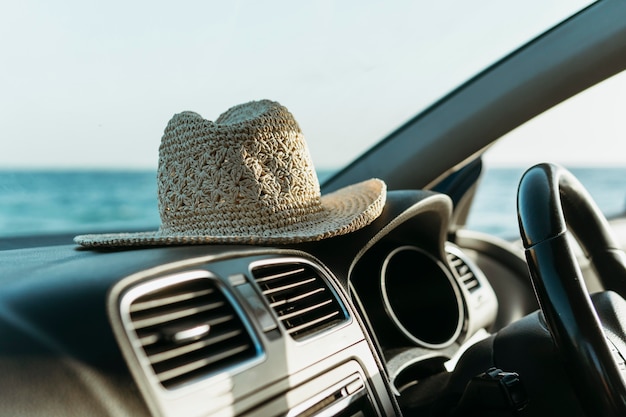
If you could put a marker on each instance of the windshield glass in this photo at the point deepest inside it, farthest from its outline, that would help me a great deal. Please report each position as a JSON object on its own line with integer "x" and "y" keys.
{"x": 579, "y": 133}
{"x": 89, "y": 87}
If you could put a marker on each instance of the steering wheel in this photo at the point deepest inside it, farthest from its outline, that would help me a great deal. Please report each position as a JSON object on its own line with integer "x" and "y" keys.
{"x": 550, "y": 199}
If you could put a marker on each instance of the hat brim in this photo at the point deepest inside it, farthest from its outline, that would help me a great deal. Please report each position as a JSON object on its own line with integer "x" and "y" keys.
{"x": 343, "y": 211}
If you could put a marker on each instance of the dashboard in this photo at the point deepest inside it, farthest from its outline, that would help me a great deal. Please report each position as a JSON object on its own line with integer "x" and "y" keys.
{"x": 342, "y": 327}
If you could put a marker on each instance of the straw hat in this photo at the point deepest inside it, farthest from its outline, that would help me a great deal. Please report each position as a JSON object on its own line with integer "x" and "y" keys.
{"x": 245, "y": 178}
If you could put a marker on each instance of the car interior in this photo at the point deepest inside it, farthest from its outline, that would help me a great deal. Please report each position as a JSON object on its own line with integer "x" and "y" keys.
{"x": 413, "y": 314}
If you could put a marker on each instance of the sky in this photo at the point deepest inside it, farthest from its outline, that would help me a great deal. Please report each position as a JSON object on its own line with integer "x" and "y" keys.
{"x": 89, "y": 84}
{"x": 588, "y": 129}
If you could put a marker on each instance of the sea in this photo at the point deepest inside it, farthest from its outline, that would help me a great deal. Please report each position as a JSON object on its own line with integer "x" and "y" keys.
{"x": 35, "y": 202}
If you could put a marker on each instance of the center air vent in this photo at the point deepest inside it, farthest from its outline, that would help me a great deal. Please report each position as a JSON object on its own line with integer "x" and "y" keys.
{"x": 186, "y": 328}
{"x": 301, "y": 298}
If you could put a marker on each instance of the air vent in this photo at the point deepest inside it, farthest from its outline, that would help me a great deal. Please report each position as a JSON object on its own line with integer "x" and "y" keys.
{"x": 188, "y": 329}
{"x": 464, "y": 273}
{"x": 301, "y": 298}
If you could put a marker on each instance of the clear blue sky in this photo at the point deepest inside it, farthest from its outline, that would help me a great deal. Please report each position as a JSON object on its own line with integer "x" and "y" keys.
{"x": 93, "y": 84}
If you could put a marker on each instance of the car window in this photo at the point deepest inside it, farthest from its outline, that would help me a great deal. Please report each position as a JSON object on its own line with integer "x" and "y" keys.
{"x": 585, "y": 134}
{"x": 88, "y": 88}
{"x": 93, "y": 85}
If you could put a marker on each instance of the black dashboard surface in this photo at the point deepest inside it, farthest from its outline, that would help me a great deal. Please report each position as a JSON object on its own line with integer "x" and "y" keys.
{"x": 64, "y": 341}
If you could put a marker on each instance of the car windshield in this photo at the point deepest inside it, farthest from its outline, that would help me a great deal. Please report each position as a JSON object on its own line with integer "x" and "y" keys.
{"x": 88, "y": 88}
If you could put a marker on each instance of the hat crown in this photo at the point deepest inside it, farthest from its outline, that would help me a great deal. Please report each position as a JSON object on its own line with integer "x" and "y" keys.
{"x": 245, "y": 178}
{"x": 251, "y": 162}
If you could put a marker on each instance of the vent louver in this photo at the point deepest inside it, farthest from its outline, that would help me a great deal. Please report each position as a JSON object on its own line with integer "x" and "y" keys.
{"x": 188, "y": 330}
{"x": 464, "y": 273}
{"x": 301, "y": 298}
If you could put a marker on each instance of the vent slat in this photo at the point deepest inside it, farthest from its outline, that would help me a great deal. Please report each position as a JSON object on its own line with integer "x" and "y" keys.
{"x": 149, "y": 339}
{"x": 467, "y": 277}
{"x": 463, "y": 270}
{"x": 164, "y": 318}
{"x": 456, "y": 262}
{"x": 199, "y": 364}
{"x": 163, "y": 356}
{"x": 152, "y": 337}
{"x": 159, "y": 302}
{"x": 297, "y": 298}
{"x": 300, "y": 297}
{"x": 312, "y": 323}
{"x": 288, "y": 287}
{"x": 163, "y": 322}
{"x": 471, "y": 284}
{"x": 464, "y": 273}
{"x": 301, "y": 311}
{"x": 280, "y": 275}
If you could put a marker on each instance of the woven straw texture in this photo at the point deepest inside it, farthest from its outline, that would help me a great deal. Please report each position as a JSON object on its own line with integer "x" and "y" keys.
{"x": 245, "y": 178}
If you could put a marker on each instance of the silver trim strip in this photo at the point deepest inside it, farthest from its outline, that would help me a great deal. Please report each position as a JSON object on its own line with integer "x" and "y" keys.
{"x": 347, "y": 392}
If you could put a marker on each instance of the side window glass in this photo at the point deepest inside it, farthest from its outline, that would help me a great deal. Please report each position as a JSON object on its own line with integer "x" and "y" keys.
{"x": 586, "y": 134}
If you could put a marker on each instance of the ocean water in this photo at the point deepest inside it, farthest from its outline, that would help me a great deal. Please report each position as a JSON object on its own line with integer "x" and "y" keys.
{"x": 96, "y": 201}
{"x": 81, "y": 201}
{"x": 494, "y": 210}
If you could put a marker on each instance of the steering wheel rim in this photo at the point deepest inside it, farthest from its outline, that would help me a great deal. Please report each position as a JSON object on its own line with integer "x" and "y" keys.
{"x": 549, "y": 199}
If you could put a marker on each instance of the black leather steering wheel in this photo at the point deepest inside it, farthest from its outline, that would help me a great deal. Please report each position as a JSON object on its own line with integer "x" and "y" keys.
{"x": 550, "y": 199}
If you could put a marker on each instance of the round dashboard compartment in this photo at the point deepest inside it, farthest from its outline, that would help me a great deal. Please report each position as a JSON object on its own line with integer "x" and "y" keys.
{"x": 421, "y": 297}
